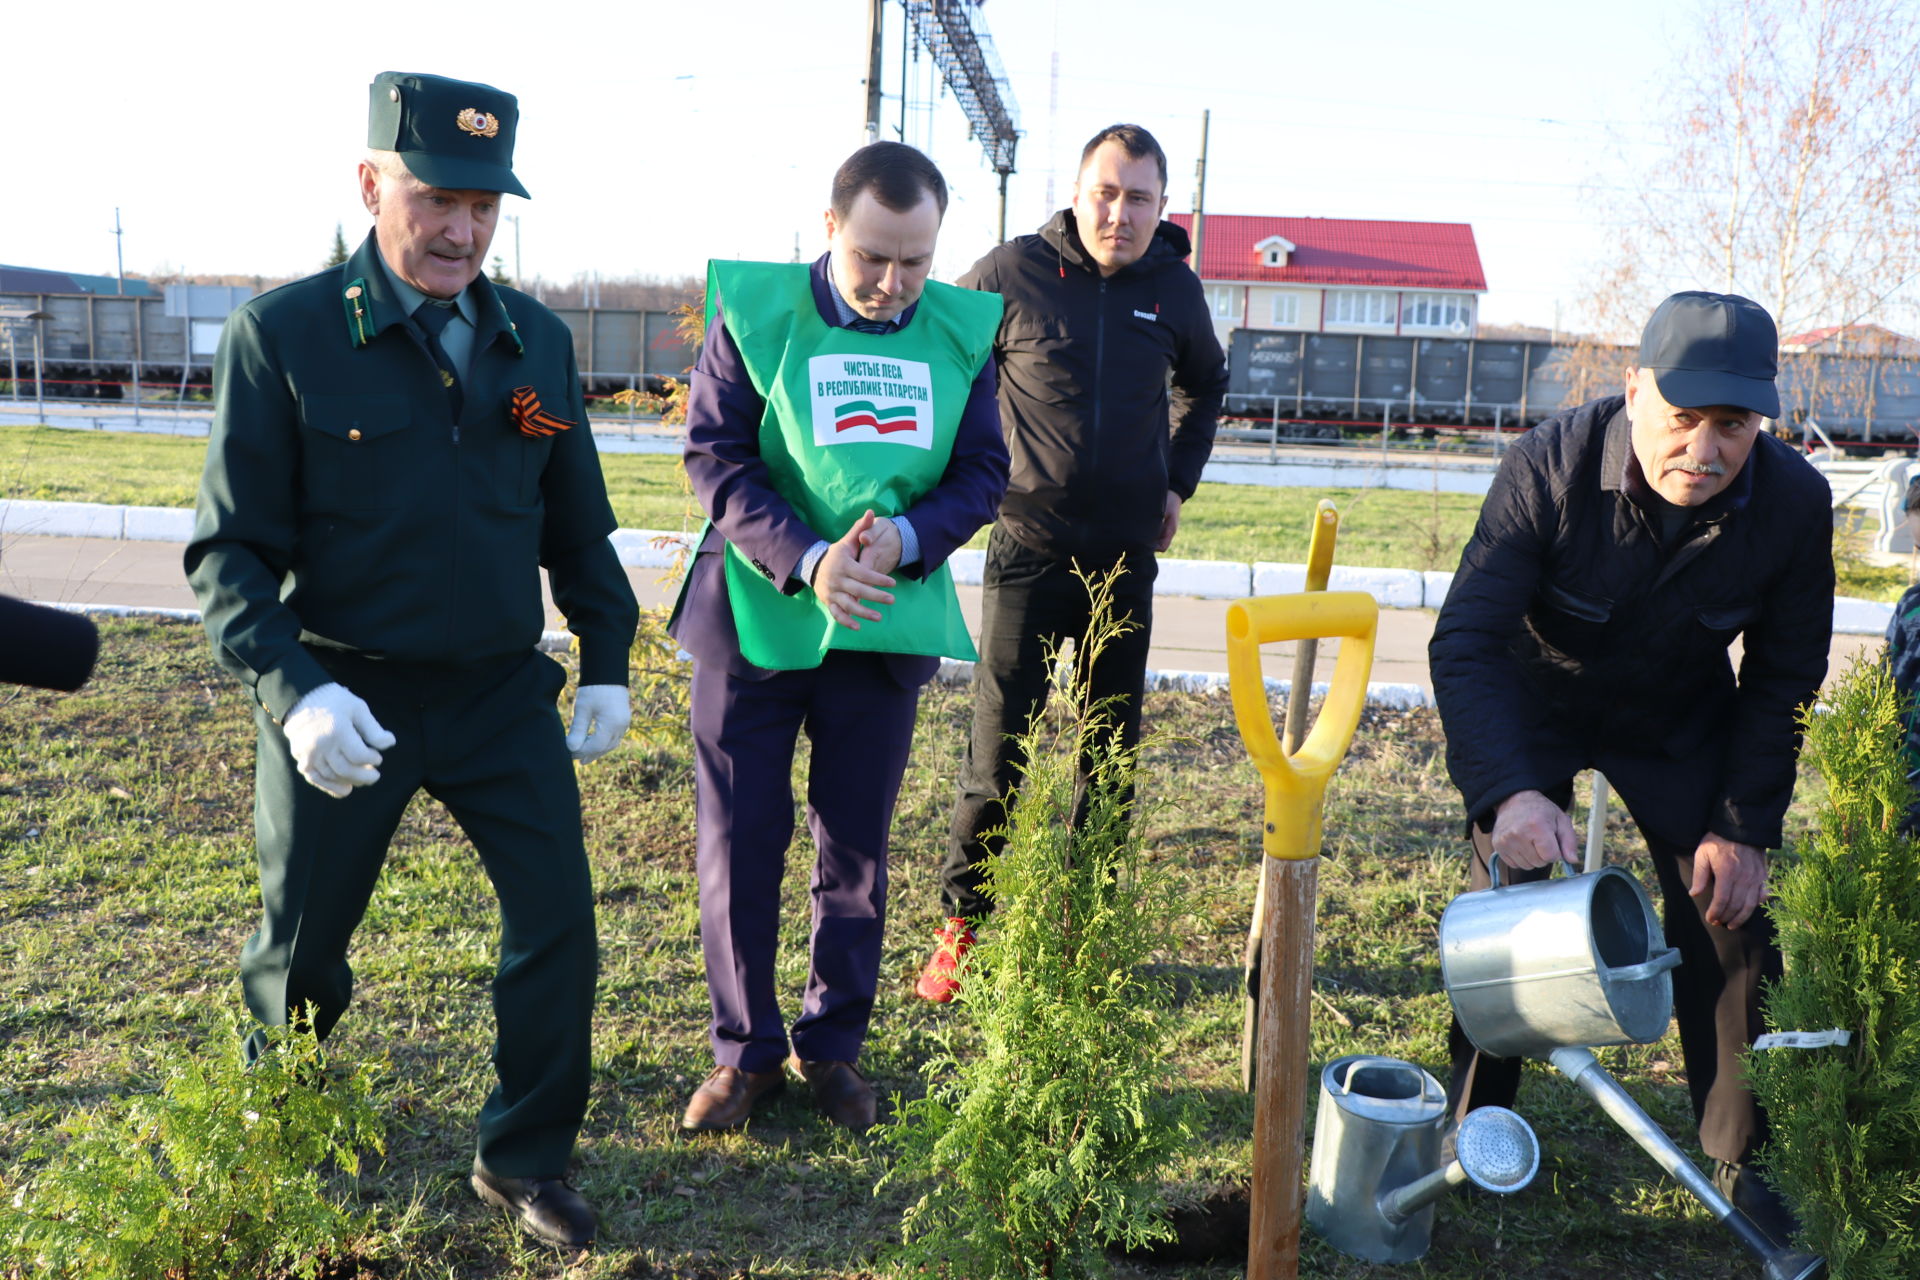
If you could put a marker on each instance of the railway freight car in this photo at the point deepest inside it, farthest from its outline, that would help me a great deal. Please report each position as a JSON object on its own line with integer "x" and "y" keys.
{"x": 95, "y": 345}
{"x": 1316, "y": 384}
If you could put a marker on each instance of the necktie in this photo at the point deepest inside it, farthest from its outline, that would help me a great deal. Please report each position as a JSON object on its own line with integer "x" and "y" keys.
{"x": 860, "y": 324}
{"x": 433, "y": 317}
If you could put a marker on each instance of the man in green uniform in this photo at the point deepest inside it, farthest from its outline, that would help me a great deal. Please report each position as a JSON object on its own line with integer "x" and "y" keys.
{"x": 399, "y": 447}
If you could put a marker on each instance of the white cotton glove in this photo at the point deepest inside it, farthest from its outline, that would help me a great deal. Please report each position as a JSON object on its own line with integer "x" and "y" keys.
{"x": 335, "y": 740}
{"x": 601, "y": 713}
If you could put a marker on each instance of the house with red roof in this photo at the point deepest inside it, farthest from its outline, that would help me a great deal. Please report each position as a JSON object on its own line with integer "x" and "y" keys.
{"x": 1339, "y": 275}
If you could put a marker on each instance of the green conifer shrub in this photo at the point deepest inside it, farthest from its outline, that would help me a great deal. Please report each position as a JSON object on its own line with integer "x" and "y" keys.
{"x": 216, "y": 1177}
{"x": 1846, "y": 1120}
{"x": 1047, "y": 1114}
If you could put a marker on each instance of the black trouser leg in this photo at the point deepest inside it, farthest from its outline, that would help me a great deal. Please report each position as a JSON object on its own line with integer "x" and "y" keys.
{"x": 1032, "y": 602}
{"x": 1717, "y": 1002}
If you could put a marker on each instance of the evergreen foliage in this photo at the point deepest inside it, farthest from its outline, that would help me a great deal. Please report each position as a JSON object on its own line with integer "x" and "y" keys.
{"x": 1047, "y": 1115}
{"x": 216, "y": 1176}
{"x": 1846, "y": 1120}
{"x": 338, "y": 254}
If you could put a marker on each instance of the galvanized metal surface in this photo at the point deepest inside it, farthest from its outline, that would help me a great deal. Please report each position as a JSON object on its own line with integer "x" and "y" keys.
{"x": 1377, "y": 1129}
{"x": 1578, "y": 960}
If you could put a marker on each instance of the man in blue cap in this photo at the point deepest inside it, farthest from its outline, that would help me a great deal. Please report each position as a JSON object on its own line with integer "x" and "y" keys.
{"x": 1625, "y": 544}
{"x": 399, "y": 448}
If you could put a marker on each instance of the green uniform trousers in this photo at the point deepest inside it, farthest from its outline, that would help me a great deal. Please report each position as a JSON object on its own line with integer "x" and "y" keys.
{"x": 486, "y": 742}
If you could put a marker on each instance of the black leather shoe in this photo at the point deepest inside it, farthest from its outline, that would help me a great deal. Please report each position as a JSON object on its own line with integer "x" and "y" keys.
{"x": 1750, "y": 1193}
{"x": 727, "y": 1097}
{"x": 547, "y": 1207}
{"x": 842, "y": 1092}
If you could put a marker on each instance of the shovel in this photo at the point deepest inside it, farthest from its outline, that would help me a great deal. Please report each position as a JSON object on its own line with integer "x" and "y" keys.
{"x": 1295, "y": 790}
{"x": 1326, "y": 527}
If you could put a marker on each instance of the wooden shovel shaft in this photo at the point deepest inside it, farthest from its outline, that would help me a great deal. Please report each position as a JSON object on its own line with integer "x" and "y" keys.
{"x": 1280, "y": 1076}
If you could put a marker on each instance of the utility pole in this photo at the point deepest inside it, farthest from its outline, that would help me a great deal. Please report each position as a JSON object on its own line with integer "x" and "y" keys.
{"x": 1200, "y": 191}
{"x": 519, "y": 281}
{"x": 119, "y": 259}
{"x": 871, "y": 120}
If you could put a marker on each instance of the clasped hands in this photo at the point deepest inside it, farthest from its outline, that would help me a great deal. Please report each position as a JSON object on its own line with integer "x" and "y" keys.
{"x": 336, "y": 743}
{"x": 853, "y": 574}
{"x": 1530, "y": 830}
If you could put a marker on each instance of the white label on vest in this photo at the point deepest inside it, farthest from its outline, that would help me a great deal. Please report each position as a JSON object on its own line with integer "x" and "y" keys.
{"x": 868, "y": 399}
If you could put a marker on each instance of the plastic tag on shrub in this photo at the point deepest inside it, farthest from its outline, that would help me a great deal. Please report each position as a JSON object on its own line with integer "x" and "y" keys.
{"x": 1802, "y": 1039}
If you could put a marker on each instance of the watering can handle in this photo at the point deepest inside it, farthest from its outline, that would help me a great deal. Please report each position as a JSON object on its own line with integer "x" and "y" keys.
{"x": 1493, "y": 868}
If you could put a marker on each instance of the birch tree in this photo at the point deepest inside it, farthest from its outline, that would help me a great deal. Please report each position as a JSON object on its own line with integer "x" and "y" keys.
{"x": 1786, "y": 168}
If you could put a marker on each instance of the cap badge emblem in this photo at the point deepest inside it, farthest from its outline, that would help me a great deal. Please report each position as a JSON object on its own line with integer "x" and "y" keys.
{"x": 478, "y": 123}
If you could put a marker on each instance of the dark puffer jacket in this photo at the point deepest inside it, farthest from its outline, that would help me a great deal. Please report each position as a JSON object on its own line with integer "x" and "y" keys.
{"x": 1569, "y": 630}
{"x": 1084, "y": 361}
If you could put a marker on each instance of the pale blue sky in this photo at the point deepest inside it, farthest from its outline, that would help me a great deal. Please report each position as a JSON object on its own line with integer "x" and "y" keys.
{"x": 654, "y": 136}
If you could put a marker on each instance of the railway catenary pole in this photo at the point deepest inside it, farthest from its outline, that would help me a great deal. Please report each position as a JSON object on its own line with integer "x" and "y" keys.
{"x": 871, "y": 119}
{"x": 1200, "y": 191}
{"x": 119, "y": 259}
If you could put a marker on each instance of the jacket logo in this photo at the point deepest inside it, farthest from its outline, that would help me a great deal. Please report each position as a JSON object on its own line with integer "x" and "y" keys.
{"x": 859, "y": 399}
{"x": 1145, "y": 315}
{"x": 531, "y": 418}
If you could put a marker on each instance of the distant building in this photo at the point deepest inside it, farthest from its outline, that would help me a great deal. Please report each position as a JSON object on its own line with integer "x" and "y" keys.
{"x": 1852, "y": 340}
{"x": 1339, "y": 275}
{"x": 35, "y": 280}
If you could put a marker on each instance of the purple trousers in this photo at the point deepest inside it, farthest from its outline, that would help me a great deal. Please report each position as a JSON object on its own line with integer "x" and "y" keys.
{"x": 859, "y": 719}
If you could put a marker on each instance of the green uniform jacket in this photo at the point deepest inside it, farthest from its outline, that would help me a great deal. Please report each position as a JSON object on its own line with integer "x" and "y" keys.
{"x": 341, "y": 506}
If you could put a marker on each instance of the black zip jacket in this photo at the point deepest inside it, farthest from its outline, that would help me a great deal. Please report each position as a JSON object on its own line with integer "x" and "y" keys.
{"x": 1095, "y": 435}
{"x": 1570, "y": 629}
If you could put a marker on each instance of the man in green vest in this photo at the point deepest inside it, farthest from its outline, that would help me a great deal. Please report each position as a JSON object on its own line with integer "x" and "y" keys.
{"x": 399, "y": 447}
{"x": 843, "y": 438}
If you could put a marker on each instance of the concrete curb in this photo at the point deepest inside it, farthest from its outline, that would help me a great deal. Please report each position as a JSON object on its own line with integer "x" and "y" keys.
{"x": 657, "y": 549}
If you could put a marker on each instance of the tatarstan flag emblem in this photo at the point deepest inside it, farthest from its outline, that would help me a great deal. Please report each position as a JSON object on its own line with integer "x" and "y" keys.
{"x": 863, "y": 413}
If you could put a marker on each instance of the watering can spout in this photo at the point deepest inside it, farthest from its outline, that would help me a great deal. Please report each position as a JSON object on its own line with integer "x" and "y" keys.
{"x": 1493, "y": 1148}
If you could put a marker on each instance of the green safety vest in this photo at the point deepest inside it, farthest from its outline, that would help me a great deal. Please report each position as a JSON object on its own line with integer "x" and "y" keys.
{"x": 853, "y": 422}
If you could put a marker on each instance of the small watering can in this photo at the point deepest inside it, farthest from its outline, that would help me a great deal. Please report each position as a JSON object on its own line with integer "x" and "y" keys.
{"x": 1377, "y": 1156}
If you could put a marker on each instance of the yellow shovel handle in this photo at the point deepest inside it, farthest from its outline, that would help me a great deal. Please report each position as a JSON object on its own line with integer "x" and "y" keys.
{"x": 1295, "y": 784}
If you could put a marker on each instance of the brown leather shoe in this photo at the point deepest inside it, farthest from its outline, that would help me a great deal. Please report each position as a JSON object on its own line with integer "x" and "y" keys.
{"x": 546, "y": 1207}
{"x": 842, "y": 1092}
{"x": 727, "y": 1097}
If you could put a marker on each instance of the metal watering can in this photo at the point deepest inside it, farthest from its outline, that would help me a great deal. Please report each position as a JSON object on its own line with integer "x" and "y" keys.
{"x": 1377, "y": 1156}
{"x": 1578, "y": 960}
{"x": 1548, "y": 969}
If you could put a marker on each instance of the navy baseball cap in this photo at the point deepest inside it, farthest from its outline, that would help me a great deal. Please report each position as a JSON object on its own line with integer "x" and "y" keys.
{"x": 1713, "y": 348}
{"x": 453, "y": 134}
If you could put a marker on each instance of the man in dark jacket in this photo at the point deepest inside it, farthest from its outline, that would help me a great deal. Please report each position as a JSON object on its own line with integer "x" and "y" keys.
{"x": 1623, "y": 546}
{"x": 1100, "y": 310}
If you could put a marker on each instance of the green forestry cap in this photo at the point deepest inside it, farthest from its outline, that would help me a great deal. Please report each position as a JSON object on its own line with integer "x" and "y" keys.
{"x": 454, "y": 134}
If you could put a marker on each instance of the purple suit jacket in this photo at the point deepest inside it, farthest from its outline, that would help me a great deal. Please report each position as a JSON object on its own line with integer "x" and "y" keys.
{"x": 735, "y": 489}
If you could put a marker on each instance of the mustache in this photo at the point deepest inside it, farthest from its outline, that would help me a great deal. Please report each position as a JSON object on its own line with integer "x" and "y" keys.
{"x": 1693, "y": 468}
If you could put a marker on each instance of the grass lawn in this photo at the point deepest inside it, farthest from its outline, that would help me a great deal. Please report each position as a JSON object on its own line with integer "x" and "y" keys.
{"x": 127, "y": 887}
{"x": 1379, "y": 528}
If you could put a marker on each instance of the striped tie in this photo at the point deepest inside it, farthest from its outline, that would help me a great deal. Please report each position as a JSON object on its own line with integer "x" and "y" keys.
{"x": 860, "y": 324}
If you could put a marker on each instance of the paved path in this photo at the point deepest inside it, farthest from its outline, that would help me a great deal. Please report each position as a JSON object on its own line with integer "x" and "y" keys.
{"x": 1188, "y": 634}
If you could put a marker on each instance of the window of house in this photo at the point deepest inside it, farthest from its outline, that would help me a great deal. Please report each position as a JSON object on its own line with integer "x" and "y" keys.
{"x": 1360, "y": 306}
{"x": 1452, "y": 312}
{"x": 1275, "y": 258}
{"x": 1223, "y": 301}
{"x": 1286, "y": 308}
